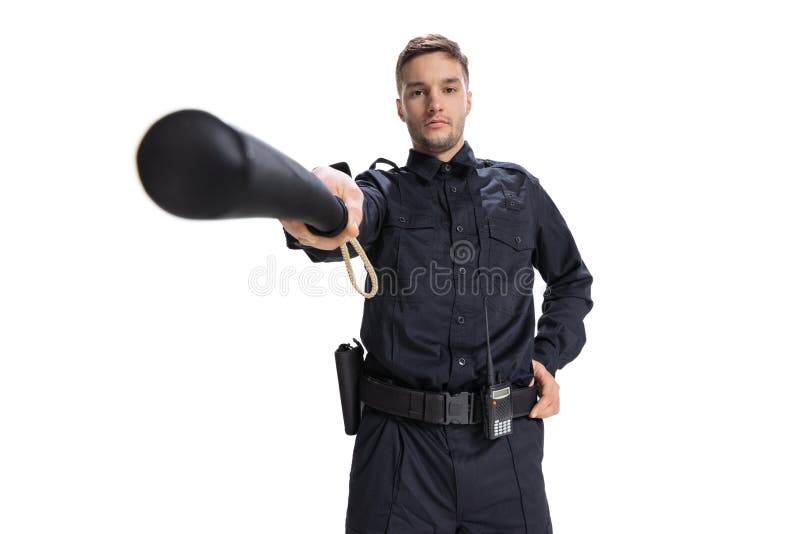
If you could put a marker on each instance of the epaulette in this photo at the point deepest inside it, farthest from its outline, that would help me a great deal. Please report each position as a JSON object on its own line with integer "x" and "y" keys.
{"x": 510, "y": 166}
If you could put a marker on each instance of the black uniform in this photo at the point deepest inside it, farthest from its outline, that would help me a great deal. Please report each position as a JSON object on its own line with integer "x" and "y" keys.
{"x": 445, "y": 238}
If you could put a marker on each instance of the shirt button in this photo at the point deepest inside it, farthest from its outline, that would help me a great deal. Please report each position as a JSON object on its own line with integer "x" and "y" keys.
{"x": 447, "y": 167}
{"x": 462, "y": 362}
{"x": 459, "y": 228}
{"x": 460, "y": 319}
{"x": 401, "y": 219}
{"x": 518, "y": 239}
{"x": 453, "y": 189}
{"x": 462, "y": 270}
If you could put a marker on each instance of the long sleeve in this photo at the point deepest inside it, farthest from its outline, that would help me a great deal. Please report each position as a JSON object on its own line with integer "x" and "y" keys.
{"x": 373, "y": 211}
{"x": 567, "y": 300}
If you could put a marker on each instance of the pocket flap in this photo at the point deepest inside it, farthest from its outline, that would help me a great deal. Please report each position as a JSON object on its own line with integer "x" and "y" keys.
{"x": 410, "y": 220}
{"x": 513, "y": 233}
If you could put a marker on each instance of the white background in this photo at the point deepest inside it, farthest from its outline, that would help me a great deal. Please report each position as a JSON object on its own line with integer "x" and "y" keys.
{"x": 145, "y": 387}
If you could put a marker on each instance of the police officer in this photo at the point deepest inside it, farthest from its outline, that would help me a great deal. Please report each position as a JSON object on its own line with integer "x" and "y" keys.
{"x": 454, "y": 240}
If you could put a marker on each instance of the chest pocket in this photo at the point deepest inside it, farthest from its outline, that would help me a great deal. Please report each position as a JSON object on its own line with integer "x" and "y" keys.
{"x": 511, "y": 244}
{"x": 414, "y": 234}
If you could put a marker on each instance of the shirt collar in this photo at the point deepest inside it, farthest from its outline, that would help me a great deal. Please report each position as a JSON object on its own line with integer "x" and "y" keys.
{"x": 428, "y": 166}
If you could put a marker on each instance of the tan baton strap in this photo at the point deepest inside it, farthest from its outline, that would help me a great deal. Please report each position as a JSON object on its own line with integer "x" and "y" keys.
{"x": 370, "y": 270}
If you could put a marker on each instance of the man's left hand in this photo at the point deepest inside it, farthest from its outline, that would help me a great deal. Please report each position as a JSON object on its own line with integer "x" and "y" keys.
{"x": 549, "y": 401}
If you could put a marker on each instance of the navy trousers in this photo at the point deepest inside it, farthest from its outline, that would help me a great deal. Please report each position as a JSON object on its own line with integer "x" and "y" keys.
{"x": 413, "y": 477}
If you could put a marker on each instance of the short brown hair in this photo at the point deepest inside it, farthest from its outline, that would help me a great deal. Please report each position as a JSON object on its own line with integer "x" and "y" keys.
{"x": 425, "y": 45}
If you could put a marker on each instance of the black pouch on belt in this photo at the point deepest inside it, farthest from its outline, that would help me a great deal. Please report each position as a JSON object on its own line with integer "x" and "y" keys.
{"x": 349, "y": 361}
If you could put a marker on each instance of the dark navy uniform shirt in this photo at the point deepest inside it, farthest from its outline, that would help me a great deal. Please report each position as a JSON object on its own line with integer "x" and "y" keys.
{"x": 445, "y": 238}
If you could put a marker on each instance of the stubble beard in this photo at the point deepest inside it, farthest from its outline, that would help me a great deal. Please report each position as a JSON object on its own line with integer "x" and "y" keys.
{"x": 436, "y": 144}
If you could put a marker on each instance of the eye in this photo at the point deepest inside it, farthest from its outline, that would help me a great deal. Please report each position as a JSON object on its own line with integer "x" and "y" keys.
{"x": 416, "y": 92}
{"x": 450, "y": 90}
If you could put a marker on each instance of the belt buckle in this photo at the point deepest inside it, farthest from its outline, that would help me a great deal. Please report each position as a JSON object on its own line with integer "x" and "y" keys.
{"x": 458, "y": 408}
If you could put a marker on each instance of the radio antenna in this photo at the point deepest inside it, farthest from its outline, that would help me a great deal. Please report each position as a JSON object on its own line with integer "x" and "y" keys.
{"x": 489, "y": 364}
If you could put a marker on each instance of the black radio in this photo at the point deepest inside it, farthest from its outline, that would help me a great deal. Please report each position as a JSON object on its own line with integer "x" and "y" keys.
{"x": 498, "y": 410}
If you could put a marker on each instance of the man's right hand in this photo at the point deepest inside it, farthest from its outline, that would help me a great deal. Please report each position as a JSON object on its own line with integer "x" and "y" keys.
{"x": 344, "y": 187}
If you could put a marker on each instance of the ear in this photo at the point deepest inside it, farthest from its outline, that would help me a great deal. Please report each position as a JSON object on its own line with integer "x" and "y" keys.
{"x": 400, "y": 110}
{"x": 469, "y": 101}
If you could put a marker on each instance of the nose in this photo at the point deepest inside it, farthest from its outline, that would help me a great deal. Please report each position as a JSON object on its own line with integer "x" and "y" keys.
{"x": 434, "y": 102}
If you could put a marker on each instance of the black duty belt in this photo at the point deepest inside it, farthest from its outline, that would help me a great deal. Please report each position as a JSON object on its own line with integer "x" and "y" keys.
{"x": 441, "y": 408}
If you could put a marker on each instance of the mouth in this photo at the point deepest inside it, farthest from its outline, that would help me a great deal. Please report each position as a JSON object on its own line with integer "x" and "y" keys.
{"x": 436, "y": 123}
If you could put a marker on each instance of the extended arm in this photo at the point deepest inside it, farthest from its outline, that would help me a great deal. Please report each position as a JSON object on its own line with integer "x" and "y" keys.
{"x": 366, "y": 208}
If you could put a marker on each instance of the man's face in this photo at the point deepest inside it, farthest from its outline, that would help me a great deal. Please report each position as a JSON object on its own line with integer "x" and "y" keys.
{"x": 434, "y": 103}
